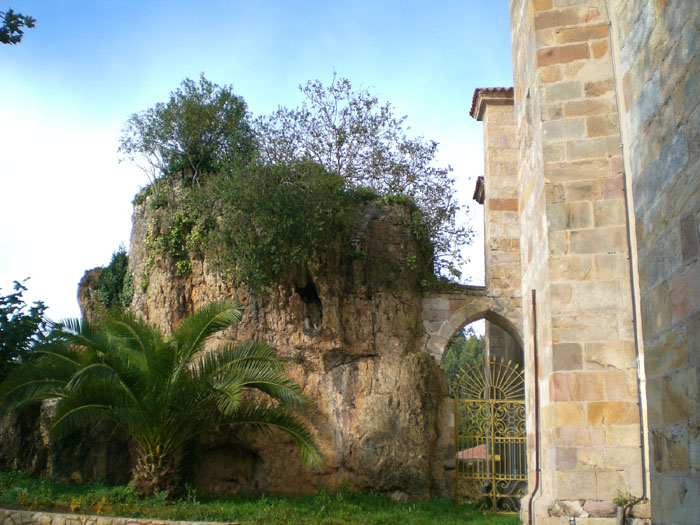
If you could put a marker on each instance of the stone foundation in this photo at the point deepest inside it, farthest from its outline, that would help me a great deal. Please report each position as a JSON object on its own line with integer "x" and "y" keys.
{"x": 30, "y": 517}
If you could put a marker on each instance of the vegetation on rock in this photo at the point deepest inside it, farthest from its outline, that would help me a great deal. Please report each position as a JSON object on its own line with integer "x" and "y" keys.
{"x": 271, "y": 194}
{"x": 115, "y": 286}
{"x": 163, "y": 391}
{"x": 351, "y": 133}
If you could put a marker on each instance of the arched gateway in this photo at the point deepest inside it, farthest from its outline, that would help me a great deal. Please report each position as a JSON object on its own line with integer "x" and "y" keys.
{"x": 445, "y": 313}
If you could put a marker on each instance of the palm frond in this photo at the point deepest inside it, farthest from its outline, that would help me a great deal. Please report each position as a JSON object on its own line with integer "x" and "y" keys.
{"x": 205, "y": 322}
{"x": 40, "y": 378}
{"x": 273, "y": 383}
{"x": 266, "y": 417}
{"x": 70, "y": 418}
{"x": 125, "y": 370}
{"x": 235, "y": 355}
{"x": 136, "y": 336}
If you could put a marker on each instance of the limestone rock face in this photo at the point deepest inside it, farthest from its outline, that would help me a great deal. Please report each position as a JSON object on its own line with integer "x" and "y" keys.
{"x": 350, "y": 327}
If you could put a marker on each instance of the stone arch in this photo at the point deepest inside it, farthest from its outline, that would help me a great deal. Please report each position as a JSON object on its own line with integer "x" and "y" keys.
{"x": 445, "y": 314}
{"x": 493, "y": 317}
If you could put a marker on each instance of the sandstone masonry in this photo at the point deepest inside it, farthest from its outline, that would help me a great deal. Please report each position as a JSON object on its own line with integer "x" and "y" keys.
{"x": 607, "y": 119}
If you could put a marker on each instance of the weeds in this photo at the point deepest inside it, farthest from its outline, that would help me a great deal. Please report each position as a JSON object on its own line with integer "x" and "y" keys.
{"x": 327, "y": 507}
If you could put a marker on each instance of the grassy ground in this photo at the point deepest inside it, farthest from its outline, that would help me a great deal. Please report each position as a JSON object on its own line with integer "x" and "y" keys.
{"x": 337, "y": 508}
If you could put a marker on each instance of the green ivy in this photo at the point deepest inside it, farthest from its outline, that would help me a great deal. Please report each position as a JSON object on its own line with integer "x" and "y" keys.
{"x": 182, "y": 240}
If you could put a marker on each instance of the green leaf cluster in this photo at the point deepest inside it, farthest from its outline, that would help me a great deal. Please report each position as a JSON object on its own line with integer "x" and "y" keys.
{"x": 180, "y": 238}
{"x": 350, "y": 132}
{"x": 203, "y": 128}
{"x": 273, "y": 218}
{"x": 11, "y": 31}
{"x": 22, "y": 327}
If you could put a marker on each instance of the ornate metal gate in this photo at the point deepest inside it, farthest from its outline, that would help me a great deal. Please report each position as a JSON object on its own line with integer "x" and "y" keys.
{"x": 491, "y": 468}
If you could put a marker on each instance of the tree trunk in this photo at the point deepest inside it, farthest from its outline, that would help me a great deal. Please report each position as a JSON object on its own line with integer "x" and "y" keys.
{"x": 155, "y": 473}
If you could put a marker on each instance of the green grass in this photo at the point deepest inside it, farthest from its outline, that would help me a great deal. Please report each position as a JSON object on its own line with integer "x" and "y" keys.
{"x": 328, "y": 508}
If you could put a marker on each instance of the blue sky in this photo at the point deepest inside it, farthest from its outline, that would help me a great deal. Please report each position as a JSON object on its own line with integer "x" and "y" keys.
{"x": 68, "y": 88}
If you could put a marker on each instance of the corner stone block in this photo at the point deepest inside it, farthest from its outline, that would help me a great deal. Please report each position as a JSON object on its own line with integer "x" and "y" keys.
{"x": 574, "y": 267}
{"x": 608, "y": 484}
{"x": 599, "y": 240}
{"x": 667, "y": 353}
{"x": 608, "y": 267}
{"x": 592, "y": 296}
{"x": 565, "y": 458}
{"x": 621, "y": 385}
{"x": 685, "y": 292}
{"x": 612, "y": 413}
{"x": 675, "y": 499}
{"x": 654, "y": 401}
{"x": 584, "y": 327}
{"x": 562, "y": 91}
{"x": 694, "y": 447}
{"x": 436, "y": 303}
{"x": 590, "y": 190}
{"x": 622, "y": 436}
{"x": 611, "y": 355}
{"x": 580, "y": 436}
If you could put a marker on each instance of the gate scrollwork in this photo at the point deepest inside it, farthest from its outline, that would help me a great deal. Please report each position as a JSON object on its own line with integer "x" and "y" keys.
{"x": 491, "y": 467}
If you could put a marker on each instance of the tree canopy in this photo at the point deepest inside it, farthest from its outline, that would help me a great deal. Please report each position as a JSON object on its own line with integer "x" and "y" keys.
{"x": 11, "y": 31}
{"x": 203, "y": 128}
{"x": 21, "y": 328}
{"x": 350, "y": 132}
{"x": 466, "y": 349}
{"x": 273, "y": 191}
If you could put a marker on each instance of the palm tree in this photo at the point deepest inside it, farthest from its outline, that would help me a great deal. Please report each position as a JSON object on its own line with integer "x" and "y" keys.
{"x": 165, "y": 391}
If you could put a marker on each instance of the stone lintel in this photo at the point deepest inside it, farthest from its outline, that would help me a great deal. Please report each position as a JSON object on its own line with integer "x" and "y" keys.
{"x": 495, "y": 96}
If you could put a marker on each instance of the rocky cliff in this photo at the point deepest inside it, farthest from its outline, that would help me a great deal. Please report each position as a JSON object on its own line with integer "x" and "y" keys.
{"x": 349, "y": 324}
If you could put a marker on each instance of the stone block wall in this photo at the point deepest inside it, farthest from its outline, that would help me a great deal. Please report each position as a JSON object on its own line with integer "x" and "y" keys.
{"x": 574, "y": 253}
{"x": 498, "y": 192}
{"x": 494, "y": 107}
{"x": 658, "y": 77}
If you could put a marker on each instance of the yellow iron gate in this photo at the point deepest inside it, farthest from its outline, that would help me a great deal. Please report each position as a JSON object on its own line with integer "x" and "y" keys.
{"x": 491, "y": 467}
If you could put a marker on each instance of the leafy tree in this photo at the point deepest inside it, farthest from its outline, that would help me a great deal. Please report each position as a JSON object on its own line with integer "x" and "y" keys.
{"x": 163, "y": 390}
{"x": 12, "y": 23}
{"x": 466, "y": 349}
{"x": 285, "y": 188}
{"x": 351, "y": 133}
{"x": 21, "y": 328}
{"x": 201, "y": 129}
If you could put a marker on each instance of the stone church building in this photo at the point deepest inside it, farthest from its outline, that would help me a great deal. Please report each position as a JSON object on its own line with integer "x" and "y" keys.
{"x": 591, "y": 196}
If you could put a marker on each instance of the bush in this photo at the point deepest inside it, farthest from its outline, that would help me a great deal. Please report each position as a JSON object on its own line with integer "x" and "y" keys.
{"x": 115, "y": 285}
{"x": 272, "y": 218}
